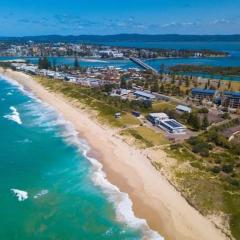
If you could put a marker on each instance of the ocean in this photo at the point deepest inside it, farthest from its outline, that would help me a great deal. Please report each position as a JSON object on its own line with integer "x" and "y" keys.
{"x": 49, "y": 187}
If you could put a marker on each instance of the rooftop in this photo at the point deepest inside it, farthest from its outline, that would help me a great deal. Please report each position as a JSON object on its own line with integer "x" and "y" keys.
{"x": 184, "y": 108}
{"x": 232, "y": 94}
{"x": 144, "y": 94}
{"x": 203, "y": 91}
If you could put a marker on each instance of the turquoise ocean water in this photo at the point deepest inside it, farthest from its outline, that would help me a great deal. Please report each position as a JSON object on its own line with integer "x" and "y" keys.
{"x": 49, "y": 188}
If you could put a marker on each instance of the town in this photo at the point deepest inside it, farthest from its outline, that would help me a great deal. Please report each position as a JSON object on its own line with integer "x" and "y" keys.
{"x": 39, "y": 49}
{"x": 194, "y": 103}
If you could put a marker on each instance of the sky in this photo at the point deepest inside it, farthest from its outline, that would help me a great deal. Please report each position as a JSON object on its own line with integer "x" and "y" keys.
{"x": 102, "y": 17}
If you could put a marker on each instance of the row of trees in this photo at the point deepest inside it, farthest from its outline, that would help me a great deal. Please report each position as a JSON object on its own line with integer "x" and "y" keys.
{"x": 45, "y": 63}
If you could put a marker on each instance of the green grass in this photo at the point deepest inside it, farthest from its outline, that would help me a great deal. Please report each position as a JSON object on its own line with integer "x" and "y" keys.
{"x": 163, "y": 106}
{"x": 146, "y": 136}
{"x": 106, "y": 112}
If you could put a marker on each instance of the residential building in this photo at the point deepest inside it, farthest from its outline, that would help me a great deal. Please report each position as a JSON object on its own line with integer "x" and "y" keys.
{"x": 155, "y": 118}
{"x": 201, "y": 93}
{"x": 144, "y": 95}
{"x": 231, "y": 99}
{"x": 172, "y": 126}
{"x": 182, "y": 108}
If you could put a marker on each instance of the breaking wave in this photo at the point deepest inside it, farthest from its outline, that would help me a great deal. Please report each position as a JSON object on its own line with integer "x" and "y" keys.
{"x": 41, "y": 193}
{"x": 14, "y": 116}
{"x": 21, "y": 195}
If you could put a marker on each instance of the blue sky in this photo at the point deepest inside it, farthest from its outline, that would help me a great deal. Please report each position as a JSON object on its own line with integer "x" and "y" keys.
{"x": 28, "y": 17}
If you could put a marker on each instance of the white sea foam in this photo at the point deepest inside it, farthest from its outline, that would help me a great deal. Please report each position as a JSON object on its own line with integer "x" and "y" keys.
{"x": 19, "y": 87}
{"x": 14, "y": 116}
{"x": 21, "y": 195}
{"x": 41, "y": 193}
{"x": 26, "y": 140}
{"x": 12, "y": 82}
{"x": 120, "y": 200}
{"x": 9, "y": 94}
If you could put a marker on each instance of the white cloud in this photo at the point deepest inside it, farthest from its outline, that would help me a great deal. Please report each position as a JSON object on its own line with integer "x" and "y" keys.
{"x": 179, "y": 24}
{"x": 220, "y": 21}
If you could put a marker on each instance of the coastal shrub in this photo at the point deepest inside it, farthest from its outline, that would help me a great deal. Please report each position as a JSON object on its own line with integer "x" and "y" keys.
{"x": 203, "y": 110}
{"x": 202, "y": 149}
{"x": 235, "y": 149}
{"x": 216, "y": 169}
{"x": 218, "y": 161}
{"x": 194, "y": 140}
{"x": 226, "y": 115}
{"x": 175, "y": 146}
{"x": 234, "y": 182}
{"x": 196, "y": 164}
{"x": 227, "y": 168}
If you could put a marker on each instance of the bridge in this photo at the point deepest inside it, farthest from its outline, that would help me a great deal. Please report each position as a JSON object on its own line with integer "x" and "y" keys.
{"x": 143, "y": 64}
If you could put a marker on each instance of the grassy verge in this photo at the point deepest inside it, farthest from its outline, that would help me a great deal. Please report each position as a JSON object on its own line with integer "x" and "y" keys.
{"x": 105, "y": 111}
{"x": 145, "y": 137}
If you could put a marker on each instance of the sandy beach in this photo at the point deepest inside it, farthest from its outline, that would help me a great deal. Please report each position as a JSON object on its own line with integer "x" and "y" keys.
{"x": 153, "y": 197}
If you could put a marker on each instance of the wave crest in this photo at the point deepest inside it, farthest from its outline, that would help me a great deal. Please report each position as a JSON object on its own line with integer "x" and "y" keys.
{"x": 14, "y": 116}
{"x": 21, "y": 195}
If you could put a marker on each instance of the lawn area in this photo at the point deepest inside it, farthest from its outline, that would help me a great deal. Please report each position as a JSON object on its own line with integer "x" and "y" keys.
{"x": 146, "y": 136}
{"x": 126, "y": 119}
{"x": 163, "y": 106}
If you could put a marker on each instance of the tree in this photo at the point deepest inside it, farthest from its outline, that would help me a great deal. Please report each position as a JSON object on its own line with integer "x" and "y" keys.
{"x": 44, "y": 63}
{"x": 108, "y": 88}
{"x": 54, "y": 64}
{"x": 205, "y": 122}
{"x": 194, "y": 121}
{"x": 208, "y": 82}
{"x": 123, "y": 83}
{"x": 162, "y": 90}
{"x": 76, "y": 63}
{"x": 229, "y": 84}
{"x": 155, "y": 87}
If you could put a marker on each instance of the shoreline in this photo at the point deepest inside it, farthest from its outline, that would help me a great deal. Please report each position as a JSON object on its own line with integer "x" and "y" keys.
{"x": 153, "y": 197}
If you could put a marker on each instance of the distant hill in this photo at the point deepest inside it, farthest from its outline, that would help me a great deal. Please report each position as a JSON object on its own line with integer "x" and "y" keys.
{"x": 126, "y": 37}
